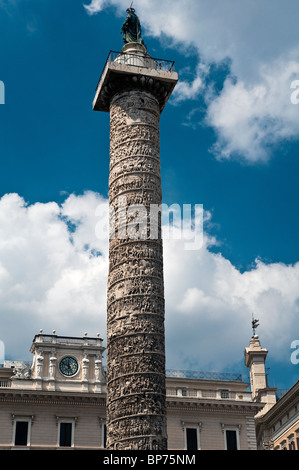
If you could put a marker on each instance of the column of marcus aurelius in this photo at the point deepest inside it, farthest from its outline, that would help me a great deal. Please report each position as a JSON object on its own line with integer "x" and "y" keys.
{"x": 134, "y": 88}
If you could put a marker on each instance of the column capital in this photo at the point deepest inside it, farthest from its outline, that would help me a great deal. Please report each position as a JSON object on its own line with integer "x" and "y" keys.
{"x": 134, "y": 69}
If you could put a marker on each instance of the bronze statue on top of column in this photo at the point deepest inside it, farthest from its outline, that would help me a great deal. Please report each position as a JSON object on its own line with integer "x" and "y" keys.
{"x": 131, "y": 28}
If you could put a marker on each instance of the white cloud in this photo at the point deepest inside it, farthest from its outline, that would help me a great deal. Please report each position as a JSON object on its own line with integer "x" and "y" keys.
{"x": 251, "y": 118}
{"x": 191, "y": 90}
{"x": 210, "y": 304}
{"x": 50, "y": 278}
{"x": 253, "y": 112}
{"x": 53, "y": 275}
{"x": 95, "y": 6}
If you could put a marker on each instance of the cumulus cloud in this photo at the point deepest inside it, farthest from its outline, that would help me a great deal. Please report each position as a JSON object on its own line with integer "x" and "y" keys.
{"x": 95, "y": 6}
{"x": 191, "y": 90}
{"x": 249, "y": 119}
{"x": 210, "y": 304}
{"x": 53, "y": 275}
{"x": 53, "y": 269}
{"x": 253, "y": 112}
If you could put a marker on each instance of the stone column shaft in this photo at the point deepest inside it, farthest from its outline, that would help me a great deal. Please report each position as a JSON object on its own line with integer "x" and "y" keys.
{"x": 134, "y": 89}
{"x": 136, "y": 407}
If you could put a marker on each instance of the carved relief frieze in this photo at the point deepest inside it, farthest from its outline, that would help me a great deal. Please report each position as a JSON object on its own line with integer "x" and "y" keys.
{"x": 136, "y": 408}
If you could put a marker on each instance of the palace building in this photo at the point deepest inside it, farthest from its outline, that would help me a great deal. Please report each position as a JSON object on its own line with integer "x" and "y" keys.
{"x": 59, "y": 401}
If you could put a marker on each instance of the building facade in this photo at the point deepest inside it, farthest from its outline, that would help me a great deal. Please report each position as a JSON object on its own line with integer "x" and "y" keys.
{"x": 212, "y": 413}
{"x": 278, "y": 429}
{"x": 59, "y": 401}
{"x": 277, "y": 422}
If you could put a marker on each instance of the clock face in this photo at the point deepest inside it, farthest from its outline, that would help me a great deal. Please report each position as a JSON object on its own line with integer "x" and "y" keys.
{"x": 68, "y": 366}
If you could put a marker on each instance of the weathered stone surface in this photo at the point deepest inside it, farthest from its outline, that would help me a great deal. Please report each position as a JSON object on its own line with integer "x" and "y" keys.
{"x": 136, "y": 409}
{"x": 135, "y": 88}
{"x": 134, "y": 69}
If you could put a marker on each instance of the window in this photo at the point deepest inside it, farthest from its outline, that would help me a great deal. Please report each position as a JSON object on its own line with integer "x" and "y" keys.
{"x": 103, "y": 432}
{"x": 191, "y": 435}
{"x": 231, "y": 436}
{"x": 21, "y": 430}
{"x": 231, "y": 440}
{"x": 224, "y": 393}
{"x": 191, "y": 438}
{"x": 292, "y": 445}
{"x": 284, "y": 445}
{"x": 291, "y": 442}
{"x": 66, "y": 430}
{"x": 65, "y": 436}
{"x": 104, "y": 436}
{"x": 21, "y": 433}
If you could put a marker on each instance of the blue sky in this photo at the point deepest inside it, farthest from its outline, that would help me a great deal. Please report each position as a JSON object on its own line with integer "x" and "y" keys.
{"x": 229, "y": 141}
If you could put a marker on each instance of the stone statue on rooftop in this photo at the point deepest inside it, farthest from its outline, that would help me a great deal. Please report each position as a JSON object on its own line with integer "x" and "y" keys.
{"x": 131, "y": 28}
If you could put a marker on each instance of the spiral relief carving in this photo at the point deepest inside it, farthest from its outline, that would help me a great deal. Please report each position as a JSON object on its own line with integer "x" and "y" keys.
{"x": 136, "y": 408}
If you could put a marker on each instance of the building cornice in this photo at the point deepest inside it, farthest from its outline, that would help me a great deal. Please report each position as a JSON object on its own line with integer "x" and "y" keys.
{"x": 279, "y": 407}
{"x": 214, "y": 406}
{"x": 42, "y": 397}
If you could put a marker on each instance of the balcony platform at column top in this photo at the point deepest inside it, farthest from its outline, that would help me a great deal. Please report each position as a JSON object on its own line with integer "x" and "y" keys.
{"x": 134, "y": 69}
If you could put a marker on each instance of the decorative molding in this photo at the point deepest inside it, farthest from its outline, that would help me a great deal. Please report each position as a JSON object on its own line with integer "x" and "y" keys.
{"x": 22, "y": 416}
{"x": 185, "y": 424}
{"x": 65, "y": 400}
{"x": 239, "y": 408}
{"x": 74, "y": 419}
{"x": 230, "y": 426}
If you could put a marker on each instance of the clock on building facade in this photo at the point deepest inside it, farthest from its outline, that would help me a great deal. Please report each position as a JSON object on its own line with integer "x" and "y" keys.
{"x": 68, "y": 366}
